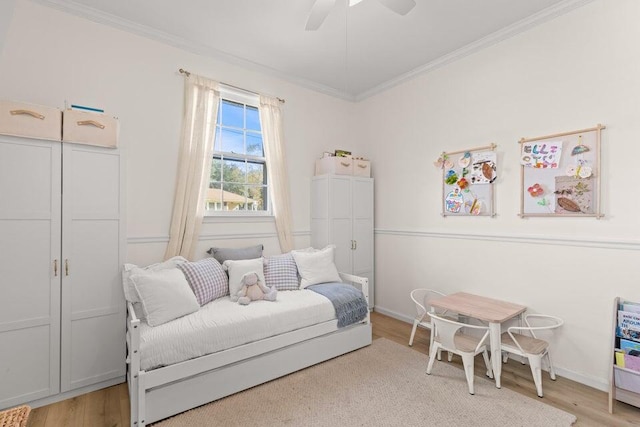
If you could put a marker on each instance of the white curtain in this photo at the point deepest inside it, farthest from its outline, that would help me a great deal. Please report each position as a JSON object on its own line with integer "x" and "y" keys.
{"x": 273, "y": 137}
{"x": 201, "y": 99}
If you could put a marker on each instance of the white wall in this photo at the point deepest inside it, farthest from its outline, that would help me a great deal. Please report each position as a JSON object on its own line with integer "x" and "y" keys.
{"x": 50, "y": 56}
{"x": 570, "y": 73}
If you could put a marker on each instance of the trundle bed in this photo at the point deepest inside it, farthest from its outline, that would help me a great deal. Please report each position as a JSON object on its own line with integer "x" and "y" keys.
{"x": 265, "y": 343}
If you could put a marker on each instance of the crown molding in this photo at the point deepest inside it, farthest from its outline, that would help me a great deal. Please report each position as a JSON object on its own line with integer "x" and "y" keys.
{"x": 95, "y": 15}
{"x": 478, "y": 45}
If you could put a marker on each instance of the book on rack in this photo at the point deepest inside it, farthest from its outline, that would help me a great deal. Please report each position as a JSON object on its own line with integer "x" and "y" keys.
{"x": 628, "y": 306}
{"x": 627, "y": 345}
{"x": 628, "y": 325}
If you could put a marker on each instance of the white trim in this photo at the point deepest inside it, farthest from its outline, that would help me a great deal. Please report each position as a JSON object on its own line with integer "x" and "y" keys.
{"x": 73, "y": 393}
{"x": 215, "y": 219}
{"x": 505, "y": 33}
{"x": 522, "y": 238}
{"x": 134, "y": 240}
{"x": 100, "y": 17}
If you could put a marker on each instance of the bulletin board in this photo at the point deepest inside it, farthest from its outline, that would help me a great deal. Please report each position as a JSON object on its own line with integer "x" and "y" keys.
{"x": 468, "y": 178}
{"x": 560, "y": 174}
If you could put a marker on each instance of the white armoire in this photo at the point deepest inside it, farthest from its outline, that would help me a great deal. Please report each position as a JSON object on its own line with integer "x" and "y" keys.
{"x": 62, "y": 321}
{"x": 342, "y": 215}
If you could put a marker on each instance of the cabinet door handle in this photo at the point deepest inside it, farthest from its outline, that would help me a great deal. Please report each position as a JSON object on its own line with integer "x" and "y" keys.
{"x": 28, "y": 113}
{"x": 360, "y": 165}
{"x": 90, "y": 123}
{"x": 66, "y": 267}
{"x": 345, "y": 164}
{"x": 355, "y": 245}
{"x": 55, "y": 268}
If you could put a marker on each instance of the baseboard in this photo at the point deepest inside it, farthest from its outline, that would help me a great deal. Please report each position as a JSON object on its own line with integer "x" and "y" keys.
{"x": 73, "y": 393}
{"x": 587, "y": 380}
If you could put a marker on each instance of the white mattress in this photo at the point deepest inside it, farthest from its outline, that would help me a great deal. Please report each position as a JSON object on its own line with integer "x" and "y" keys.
{"x": 223, "y": 324}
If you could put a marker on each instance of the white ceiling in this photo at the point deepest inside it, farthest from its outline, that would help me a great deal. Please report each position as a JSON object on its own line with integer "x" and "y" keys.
{"x": 358, "y": 50}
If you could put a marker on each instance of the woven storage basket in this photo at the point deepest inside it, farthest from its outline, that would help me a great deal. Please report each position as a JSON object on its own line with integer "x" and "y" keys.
{"x": 15, "y": 417}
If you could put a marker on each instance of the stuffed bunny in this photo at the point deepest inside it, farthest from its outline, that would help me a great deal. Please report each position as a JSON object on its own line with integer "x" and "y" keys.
{"x": 253, "y": 289}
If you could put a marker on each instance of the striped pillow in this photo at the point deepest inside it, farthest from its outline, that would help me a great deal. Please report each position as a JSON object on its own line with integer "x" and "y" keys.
{"x": 281, "y": 271}
{"x": 207, "y": 279}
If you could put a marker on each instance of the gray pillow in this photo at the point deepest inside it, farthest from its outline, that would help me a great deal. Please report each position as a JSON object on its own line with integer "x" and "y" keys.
{"x": 234, "y": 254}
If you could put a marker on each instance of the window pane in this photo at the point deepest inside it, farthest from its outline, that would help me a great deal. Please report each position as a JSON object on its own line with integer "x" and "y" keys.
{"x": 232, "y": 114}
{"x": 253, "y": 118}
{"x": 254, "y": 144}
{"x": 234, "y": 171}
{"x": 214, "y": 196}
{"x": 216, "y": 170}
{"x": 232, "y": 141}
{"x": 255, "y": 173}
{"x": 257, "y": 196}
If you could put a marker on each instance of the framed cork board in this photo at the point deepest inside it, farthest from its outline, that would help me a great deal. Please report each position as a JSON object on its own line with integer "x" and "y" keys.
{"x": 560, "y": 174}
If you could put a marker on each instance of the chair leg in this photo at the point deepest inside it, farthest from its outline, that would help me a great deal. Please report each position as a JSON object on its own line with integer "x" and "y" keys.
{"x": 432, "y": 357}
{"x": 485, "y": 356}
{"x": 432, "y": 334}
{"x": 535, "y": 362}
{"x": 449, "y": 356}
{"x": 552, "y": 372}
{"x": 467, "y": 361}
{"x": 413, "y": 331}
{"x": 505, "y": 357}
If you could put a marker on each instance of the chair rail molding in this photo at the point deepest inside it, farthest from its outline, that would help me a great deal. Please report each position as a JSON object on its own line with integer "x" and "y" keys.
{"x": 589, "y": 242}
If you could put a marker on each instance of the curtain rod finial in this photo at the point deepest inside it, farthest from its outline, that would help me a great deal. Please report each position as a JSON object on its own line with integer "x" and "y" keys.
{"x": 185, "y": 72}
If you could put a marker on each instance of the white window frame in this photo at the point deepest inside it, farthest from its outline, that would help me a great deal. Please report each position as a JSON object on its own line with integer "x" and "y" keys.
{"x": 253, "y": 100}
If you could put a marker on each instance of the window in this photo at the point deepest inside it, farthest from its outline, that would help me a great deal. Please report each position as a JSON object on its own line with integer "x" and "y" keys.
{"x": 238, "y": 183}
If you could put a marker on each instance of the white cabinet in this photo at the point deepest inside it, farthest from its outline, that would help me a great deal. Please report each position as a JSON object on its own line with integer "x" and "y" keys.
{"x": 62, "y": 321}
{"x": 342, "y": 215}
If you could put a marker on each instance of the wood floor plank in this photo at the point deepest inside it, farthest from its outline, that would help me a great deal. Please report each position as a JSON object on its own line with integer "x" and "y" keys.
{"x": 110, "y": 407}
{"x": 38, "y": 417}
{"x": 94, "y": 414}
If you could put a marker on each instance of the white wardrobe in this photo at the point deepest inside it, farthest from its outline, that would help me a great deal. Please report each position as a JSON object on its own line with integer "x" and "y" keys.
{"x": 62, "y": 321}
{"x": 342, "y": 215}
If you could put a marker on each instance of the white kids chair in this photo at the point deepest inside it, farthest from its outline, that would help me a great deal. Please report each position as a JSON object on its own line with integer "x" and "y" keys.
{"x": 522, "y": 340}
{"x": 421, "y": 298}
{"x": 448, "y": 338}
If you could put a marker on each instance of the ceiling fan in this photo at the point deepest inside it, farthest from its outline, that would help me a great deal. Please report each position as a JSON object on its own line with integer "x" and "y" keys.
{"x": 321, "y": 9}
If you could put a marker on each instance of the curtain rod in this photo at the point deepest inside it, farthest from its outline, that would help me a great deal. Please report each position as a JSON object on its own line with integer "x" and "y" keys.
{"x": 188, "y": 73}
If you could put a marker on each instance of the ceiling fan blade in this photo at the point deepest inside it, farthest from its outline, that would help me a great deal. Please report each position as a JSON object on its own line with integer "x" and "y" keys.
{"x": 319, "y": 12}
{"x": 401, "y": 7}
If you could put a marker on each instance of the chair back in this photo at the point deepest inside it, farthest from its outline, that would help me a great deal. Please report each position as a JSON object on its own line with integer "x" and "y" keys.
{"x": 534, "y": 322}
{"x": 447, "y": 329}
{"x": 421, "y": 298}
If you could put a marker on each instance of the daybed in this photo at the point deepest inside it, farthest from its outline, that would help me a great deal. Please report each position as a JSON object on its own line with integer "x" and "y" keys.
{"x": 251, "y": 345}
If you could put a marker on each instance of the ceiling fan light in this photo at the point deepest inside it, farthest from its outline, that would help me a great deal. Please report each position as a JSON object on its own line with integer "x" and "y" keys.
{"x": 354, "y": 2}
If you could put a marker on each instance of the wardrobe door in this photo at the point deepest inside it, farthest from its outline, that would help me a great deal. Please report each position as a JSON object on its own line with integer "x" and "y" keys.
{"x": 340, "y": 221}
{"x": 93, "y": 319}
{"x": 362, "y": 191}
{"x": 29, "y": 270}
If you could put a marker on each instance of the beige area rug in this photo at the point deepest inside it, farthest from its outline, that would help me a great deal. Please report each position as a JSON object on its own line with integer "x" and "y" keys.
{"x": 384, "y": 384}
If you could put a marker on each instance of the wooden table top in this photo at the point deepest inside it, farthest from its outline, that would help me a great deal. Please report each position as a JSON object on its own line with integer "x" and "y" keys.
{"x": 478, "y": 307}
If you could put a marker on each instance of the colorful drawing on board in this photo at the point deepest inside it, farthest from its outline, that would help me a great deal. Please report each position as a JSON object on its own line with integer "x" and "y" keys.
{"x": 454, "y": 201}
{"x": 574, "y": 195}
{"x": 541, "y": 155}
{"x": 483, "y": 167}
{"x": 473, "y": 207}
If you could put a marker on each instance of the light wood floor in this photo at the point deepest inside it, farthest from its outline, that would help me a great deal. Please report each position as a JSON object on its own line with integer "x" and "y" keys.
{"x": 110, "y": 407}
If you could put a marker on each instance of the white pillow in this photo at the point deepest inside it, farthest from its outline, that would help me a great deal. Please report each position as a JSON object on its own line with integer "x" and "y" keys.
{"x": 165, "y": 295}
{"x": 316, "y": 267}
{"x": 238, "y": 268}
{"x": 130, "y": 269}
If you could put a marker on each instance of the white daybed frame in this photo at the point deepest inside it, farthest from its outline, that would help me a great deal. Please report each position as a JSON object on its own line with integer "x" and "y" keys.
{"x": 169, "y": 390}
